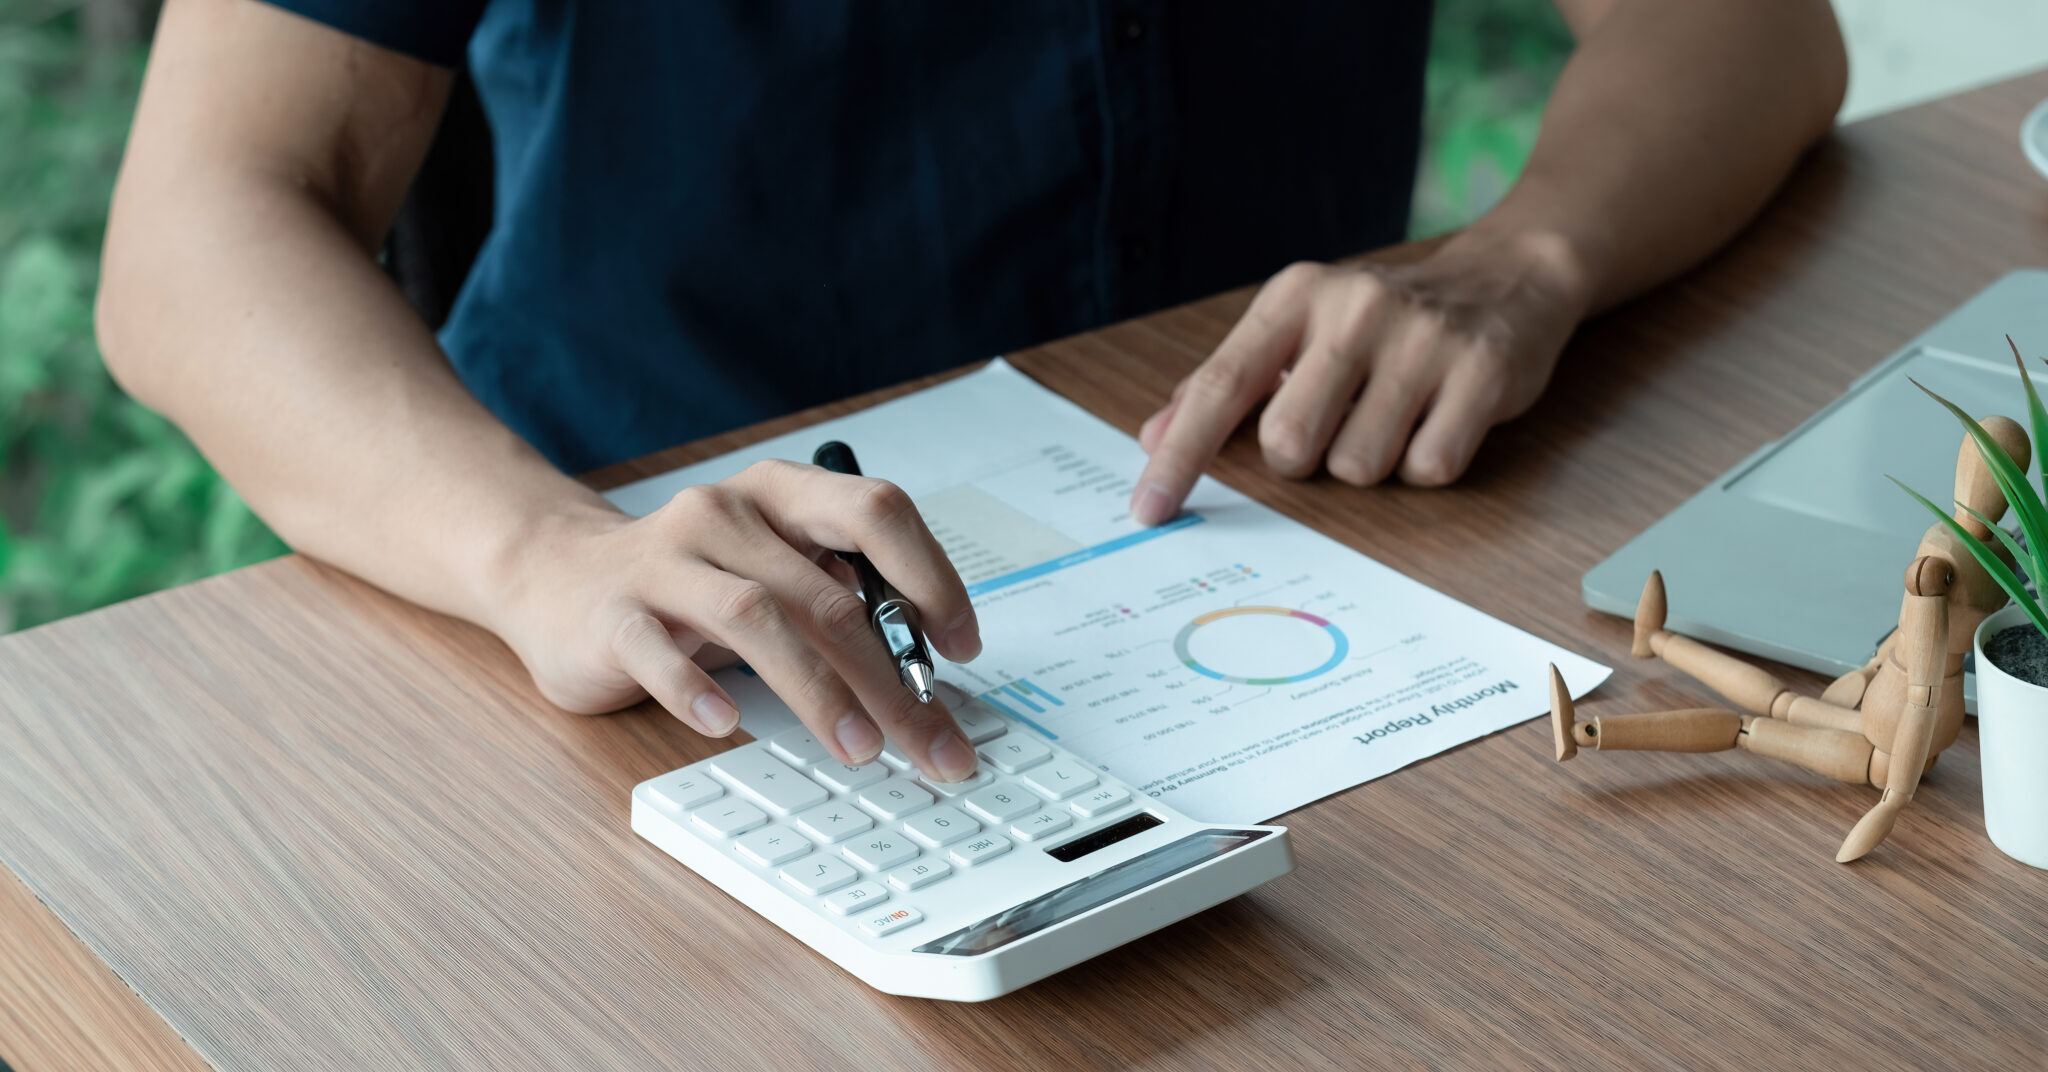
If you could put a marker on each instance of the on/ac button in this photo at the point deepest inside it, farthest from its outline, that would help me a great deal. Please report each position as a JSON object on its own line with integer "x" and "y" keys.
{"x": 890, "y": 922}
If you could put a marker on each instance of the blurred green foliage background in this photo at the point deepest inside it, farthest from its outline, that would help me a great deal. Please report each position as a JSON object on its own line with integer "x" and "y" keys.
{"x": 101, "y": 500}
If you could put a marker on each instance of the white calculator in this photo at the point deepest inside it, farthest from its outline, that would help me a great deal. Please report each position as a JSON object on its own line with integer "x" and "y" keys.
{"x": 964, "y": 891}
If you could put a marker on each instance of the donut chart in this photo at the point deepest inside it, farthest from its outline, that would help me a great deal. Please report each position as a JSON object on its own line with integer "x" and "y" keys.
{"x": 1284, "y": 634}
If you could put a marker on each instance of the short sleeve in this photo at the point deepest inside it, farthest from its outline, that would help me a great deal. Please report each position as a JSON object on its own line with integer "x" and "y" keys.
{"x": 436, "y": 31}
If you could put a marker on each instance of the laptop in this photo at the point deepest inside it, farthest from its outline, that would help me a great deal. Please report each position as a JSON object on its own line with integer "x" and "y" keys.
{"x": 1798, "y": 553}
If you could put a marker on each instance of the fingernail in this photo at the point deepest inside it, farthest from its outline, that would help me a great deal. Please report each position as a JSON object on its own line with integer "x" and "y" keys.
{"x": 859, "y": 737}
{"x": 1153, "y": 505}
{"x": 714, "y": 715}
{"x": 962, "y": 639}
{"x": 954, "y": 757}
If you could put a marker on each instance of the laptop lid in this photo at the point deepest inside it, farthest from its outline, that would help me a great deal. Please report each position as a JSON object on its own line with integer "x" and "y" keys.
{"x": 1797, "y": 553}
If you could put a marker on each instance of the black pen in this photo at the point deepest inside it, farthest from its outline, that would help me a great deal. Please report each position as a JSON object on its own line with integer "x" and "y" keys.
{"x": 894, "y": 619}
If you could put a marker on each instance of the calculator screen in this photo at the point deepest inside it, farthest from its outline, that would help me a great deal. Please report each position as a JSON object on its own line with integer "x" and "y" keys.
{"x": 1097, "y": 889}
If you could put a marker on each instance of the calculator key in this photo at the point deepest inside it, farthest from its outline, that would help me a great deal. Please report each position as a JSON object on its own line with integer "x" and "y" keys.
{"x": 799, "y": 747}
{"x": 1016, "y": 752}
{"x": 893, "y": 756}
{"x": 1001, "y": 802}
{"x": 856, "y": 898}
{"x": 1061, "y": 780}
{"x": 882, "y": 924}
{"x": 985, "y": 847}
{"x": 1043, "y": 824}
{"x": 954, "y": 789}
{"x": 940, "y": 826}
{"x": 768, "y": 780}
{"x": 684, "y": 790}
{"x": 818, "y": 874}
{"x": 728, "y": 817}
{"x": 841, "y": 778}
{"x": 878, "y": 852}
{"x": 920, "y": 874}
{"x": 1101, "y": 802}
{"x": 894, "y": 799}
{"x": 980, "y": 724}
{"x": 773, "y": 845}
{"x": 832, "y": 822}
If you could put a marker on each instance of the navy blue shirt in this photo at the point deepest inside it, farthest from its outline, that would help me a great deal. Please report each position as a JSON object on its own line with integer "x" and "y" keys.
{"x": 710, "y": 212}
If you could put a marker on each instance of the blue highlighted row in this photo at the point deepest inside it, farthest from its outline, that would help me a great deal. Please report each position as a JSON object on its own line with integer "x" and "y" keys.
{"x": 1007, "y": 698}
{"x": 1075, "y": 558}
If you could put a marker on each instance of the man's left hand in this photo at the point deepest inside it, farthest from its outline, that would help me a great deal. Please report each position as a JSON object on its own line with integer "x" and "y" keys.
{"x": 1374, "y": 370}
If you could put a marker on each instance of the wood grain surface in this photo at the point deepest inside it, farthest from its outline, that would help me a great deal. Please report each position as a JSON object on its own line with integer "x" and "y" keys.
{"x": 315, "y": 827}
{"x": 62, "y": 1008}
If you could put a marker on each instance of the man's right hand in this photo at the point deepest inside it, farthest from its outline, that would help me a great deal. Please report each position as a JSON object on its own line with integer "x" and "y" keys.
{"x": 605, "y": 609}
{"x": 242, "y": 297}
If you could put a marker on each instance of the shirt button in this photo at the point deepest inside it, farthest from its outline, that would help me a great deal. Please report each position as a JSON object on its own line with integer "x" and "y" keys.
{"x": 1136, "y": 250}
{"x": 1130, "y": 26}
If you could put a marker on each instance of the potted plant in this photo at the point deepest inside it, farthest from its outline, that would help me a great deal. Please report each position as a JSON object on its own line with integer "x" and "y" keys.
{"x": 2012, "y": 645}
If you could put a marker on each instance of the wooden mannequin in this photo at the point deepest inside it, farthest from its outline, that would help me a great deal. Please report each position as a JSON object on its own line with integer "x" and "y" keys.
{"x": 1881, "y": 725}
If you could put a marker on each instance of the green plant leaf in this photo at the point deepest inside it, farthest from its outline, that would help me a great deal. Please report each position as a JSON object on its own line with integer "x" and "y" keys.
{"x": 2037, "y": 415}
{"x": 1999, "y": 571}
{"x": 2019, "y": 554}
{"x": 2012, "y": 481}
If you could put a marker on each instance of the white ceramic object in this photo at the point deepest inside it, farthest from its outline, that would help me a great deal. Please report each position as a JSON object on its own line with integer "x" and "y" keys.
{"x": 2012, "y": 734}
{"x": 2034, "y": 138}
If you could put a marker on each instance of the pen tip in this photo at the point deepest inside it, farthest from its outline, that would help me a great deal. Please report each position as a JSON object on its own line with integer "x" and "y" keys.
{"x": 918, "y": 676}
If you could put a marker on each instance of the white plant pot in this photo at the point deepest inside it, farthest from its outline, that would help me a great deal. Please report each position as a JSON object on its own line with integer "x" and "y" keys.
{"x": 2012, "y": 735}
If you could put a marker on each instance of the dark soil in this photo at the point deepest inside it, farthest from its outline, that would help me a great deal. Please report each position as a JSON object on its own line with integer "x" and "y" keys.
{"x": 2022, "y": 652}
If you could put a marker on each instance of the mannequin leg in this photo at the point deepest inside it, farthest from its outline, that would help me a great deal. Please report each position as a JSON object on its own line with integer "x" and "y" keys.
{"x": 1699, "y": 729}
{"x": 1750, "y": 688}
{"x": 1693, "y": 729}
{"x": 1847, "y": 690}
{"x": 1835, "y": 753}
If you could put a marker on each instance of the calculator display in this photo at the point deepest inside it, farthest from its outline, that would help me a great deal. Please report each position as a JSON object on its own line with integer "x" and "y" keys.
{"x": 1094, "y": 891}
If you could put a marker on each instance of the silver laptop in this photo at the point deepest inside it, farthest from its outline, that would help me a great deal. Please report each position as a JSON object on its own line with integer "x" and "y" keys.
{"x": 1799, "y": 552}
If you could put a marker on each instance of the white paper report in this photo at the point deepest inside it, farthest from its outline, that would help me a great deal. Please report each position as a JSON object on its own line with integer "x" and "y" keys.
{"x": 1231, "y": 662}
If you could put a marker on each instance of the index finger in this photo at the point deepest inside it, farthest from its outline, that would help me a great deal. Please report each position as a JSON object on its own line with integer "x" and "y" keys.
{"x": 877, "y": 519}
{"x": 1219, "y": 394}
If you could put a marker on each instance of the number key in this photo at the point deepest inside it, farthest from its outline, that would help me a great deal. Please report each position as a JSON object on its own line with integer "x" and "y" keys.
{"x": 940, "y": 826}
{"x": 894, "y": 799}
{"x": 1000, "y": 803}
{"x": 980, "y": 724}
{"x": 954, "y": 789}
{"x": 1061, "y": 780}
{"x": 842, "y": 778}
{"x": 1016, "y": 752}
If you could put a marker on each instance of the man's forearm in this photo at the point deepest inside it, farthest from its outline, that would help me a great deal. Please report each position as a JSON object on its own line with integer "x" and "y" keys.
{"x": 244, "y": 310}
{"x": 1670, "y": 127}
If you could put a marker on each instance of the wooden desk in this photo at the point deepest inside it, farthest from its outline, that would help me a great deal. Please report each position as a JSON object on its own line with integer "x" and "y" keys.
{"x": 312, "y": 826}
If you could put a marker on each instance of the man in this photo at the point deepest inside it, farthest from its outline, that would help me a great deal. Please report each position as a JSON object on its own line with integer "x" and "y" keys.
{"x": 711, "y": 212}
